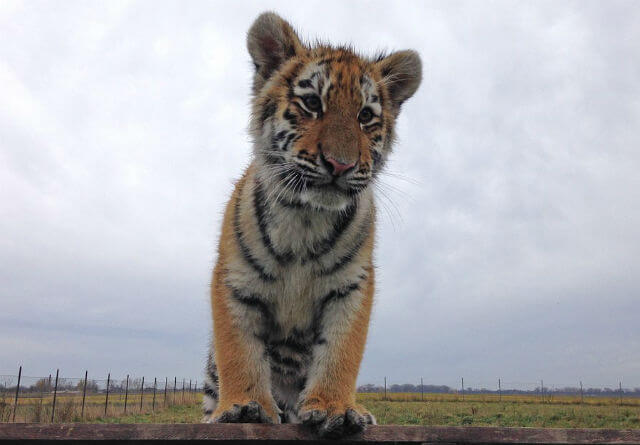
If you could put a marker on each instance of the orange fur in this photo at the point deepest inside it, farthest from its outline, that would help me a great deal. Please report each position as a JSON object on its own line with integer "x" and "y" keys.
{"x": 239, "y": 381}
{"x": 335, "y": 392}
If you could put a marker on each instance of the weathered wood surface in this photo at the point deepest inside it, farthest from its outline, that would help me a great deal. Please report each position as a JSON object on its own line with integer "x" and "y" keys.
{"x": 263, "y": 434}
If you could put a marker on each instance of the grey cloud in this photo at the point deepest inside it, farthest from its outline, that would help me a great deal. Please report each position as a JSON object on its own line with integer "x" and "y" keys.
{"x": 508, "y": 240}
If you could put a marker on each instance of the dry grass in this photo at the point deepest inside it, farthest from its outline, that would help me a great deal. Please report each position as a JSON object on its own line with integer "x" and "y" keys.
{"x": 69, "y": 406}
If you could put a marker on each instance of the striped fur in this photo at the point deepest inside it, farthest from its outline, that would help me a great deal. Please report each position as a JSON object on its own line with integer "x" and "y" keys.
{"x": 293, "y": 285}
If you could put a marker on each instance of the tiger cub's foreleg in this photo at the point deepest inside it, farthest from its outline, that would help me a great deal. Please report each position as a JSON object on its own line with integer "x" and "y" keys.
{"x": 328, "y": 401}
{"x": 244, "y": 373}
{"x": 210, "y": 387}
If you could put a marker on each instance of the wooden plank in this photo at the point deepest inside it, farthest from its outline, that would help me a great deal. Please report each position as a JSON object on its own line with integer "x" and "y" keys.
{"x": 264, "y": 434}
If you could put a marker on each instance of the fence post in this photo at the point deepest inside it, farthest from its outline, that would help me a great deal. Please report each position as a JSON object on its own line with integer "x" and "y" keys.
{"x": 542, "y": 390}
{"x": 15, "y": 402}
{"x": 84, "y": 392}
{"x": 106, "y": 400}
{"x": 421, "y": 390}
{"x": 190, "y": 394}
{"x": 462, "y": 389}
{"x": 581, "y": 393}
{"x": 183, "y": 391}
{"x": 175, "y": 384}
{"x": 385, "y": 388}
{"x": 620, "y": 386}
{"x": 126, "y": 394}
{"x": 195, "y": 390}
{"x": 153, "y": 404}
{"x": 42, "y": 389}
{"x": 141, "y": 393}
{"x": 499, "y": 390}
{"x": 166, "y": 382}
{"x": 55, "y": 394}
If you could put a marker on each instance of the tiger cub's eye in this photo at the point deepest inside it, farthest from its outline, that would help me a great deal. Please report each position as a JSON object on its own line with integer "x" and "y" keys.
{"x": 365, "y": 115}
{"x": 312, "y": 102}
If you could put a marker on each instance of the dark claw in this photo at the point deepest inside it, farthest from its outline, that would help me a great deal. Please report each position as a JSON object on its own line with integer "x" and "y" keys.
{"x": 313, "y": 417}
{"x": 369, "y": 419}
{"x": 230, "y": 416}
{"x": 334, "y": 427}
{"x": 252, "y": 412}
{"x": 354, "y": 422}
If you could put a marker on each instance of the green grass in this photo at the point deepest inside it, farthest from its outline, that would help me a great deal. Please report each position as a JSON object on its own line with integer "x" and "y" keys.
{"x": 455, "y": 413}
{"x": 509, "y": 414}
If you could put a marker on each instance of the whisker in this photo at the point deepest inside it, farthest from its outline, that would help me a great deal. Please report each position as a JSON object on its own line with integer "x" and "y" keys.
{"x": 396, "y": 175}
{"x": 389, "y": 204}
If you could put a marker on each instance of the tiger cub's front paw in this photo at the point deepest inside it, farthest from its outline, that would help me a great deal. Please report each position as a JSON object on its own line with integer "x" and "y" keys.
{"x": 333, "y": 421}
{"x": 252, "y": 412}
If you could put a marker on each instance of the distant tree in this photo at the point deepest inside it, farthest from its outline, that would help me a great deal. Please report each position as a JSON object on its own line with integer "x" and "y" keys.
{"x": 40, "y": 385}
{"x": 92, "y": 386}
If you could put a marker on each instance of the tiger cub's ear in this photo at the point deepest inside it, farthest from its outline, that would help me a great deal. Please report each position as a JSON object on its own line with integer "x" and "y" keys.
{"x": 401, "y": 74}
{"x": 271, "y": 41}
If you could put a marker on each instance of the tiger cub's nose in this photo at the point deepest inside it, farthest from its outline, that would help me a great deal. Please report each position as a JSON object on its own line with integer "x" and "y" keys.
{"x": 335, "y": 167}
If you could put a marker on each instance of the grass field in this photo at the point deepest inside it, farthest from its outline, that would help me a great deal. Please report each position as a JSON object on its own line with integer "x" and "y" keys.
{"x": 399, "y": 409}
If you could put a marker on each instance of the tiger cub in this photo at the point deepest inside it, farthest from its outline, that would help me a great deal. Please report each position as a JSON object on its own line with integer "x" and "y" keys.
{"x": 293, "y": 286}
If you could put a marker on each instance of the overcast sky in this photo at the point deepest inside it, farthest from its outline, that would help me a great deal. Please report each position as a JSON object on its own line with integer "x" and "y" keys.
{"x": 509, "y": 236}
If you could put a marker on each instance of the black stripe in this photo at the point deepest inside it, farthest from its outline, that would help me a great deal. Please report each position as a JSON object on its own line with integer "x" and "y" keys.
{"x": 293, "y": 73}
{"x": 288, "y": 115}
{"x": 318, "y": 317}
{"x": 212, "y": 369}
{"x": 258, "y": 204}
{"x": 284, "y": 361}
{"x": 268, "y": 325}
{"x": 268, "y": 111}
{"x": 324, "y": 246}
{"x": 292, "y": 204}
{"x": 308, "y": 169}
{"x": 338, "y": 294}
{"x": 373, "y": 126}
{"x": 209, "y": 391}
{"x": 329, "y": 91}
{"x": 290, "y": 137}
{"x": 280, "y": 136}
{"x": 305, "y": 83}
{"x": 244, "y": 249}
{"x": 353, "y": 251}
{"x": 294, "y": 345}
{"x": 255, "y": 302}
{"x": 283, "y": 370}
{"x": 357, "y": 184}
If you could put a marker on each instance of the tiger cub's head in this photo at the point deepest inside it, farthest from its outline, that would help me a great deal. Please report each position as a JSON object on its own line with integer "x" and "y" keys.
{"x": 323, "y": 117}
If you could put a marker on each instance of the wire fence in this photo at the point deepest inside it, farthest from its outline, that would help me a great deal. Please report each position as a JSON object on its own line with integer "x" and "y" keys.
{"x": 57, "y": 399}
{"x": 500, "y": 390}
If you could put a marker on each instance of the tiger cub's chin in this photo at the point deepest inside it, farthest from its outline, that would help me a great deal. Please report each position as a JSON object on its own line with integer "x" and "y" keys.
{"x": 293, "y": 284}
{"x": 327, "y": 199}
